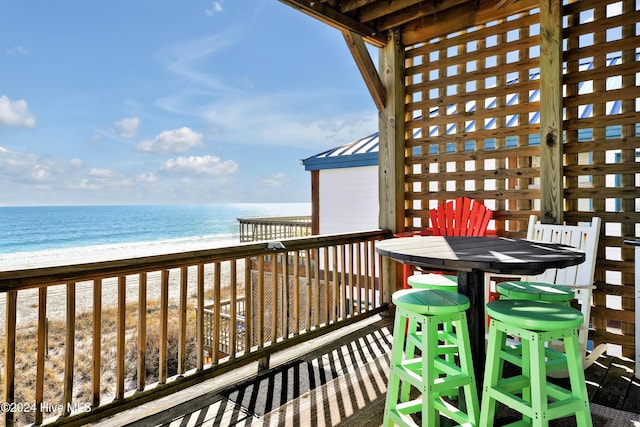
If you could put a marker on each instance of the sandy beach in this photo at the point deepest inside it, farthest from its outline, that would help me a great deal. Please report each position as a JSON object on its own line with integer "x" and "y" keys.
{"x": 27, "y": 310}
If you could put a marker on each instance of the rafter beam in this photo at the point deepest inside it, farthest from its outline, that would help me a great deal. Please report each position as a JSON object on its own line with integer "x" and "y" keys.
{"x": 460, "y": 17}
{"x": 378, "y": 9}
{"x": 410, "y": 12}
{"x": 350, "y": 5}
{"x": 337, "y": 20}
{"x": 367, "y": 68}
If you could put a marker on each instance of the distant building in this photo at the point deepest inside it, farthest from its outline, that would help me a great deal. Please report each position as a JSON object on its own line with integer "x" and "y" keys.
{"x": 344, "y": 187}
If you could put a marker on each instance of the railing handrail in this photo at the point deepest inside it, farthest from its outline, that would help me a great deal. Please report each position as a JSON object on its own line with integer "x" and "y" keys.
{"x": 36, "y": 275}
{"x": 293, "y": 220}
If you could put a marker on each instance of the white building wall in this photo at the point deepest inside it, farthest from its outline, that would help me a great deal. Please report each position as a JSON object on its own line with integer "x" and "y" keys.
{"x": 348, "y": 199}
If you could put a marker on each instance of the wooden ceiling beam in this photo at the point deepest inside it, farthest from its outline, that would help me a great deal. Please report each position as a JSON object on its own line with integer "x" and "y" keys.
{"x": 351, "y": 5}
{"x": 460, "y": 17}
{"x": 379, "y": 9}
{"x": 333, "y": 17}
{"x": 411, "y": 13}
{"x": 367, "y": 68}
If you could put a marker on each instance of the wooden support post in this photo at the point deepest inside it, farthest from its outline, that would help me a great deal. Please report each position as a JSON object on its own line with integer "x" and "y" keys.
{"x": 392, "y": 153}
{"x": 315, "y": 202}
{"x": 628, "y": 181}
{"x": 551, "y": 133}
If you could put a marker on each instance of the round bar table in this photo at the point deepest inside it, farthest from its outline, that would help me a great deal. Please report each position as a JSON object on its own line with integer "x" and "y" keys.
{"x": 472, "y": 257}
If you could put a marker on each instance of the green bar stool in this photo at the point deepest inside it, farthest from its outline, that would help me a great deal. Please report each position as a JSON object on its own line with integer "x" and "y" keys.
{"x": 532, "y": 291}
{"x": 534, "y": 323}
{"x": 419, "y": 312}
{"x": 433, "y": 281}
{"x": 540, "y": 291}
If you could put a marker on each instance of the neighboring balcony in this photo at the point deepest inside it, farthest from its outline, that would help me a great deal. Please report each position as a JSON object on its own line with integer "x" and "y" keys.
{"x": 274, "y": 228}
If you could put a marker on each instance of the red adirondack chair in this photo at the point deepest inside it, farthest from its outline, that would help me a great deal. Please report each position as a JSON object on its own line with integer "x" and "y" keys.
{"x": 460, "y": 217}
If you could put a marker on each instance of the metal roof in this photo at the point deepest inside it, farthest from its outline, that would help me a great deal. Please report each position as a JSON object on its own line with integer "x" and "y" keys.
{"x": 363, "y": 152}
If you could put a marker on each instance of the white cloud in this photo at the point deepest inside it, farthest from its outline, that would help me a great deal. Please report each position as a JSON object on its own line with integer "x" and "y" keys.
{"x": 94, "y": 139}
{"x": 276, "y": 180}
{"x": 215, "y": 7}
{"x": 16, "y": 113}
{"x": 172, "y": 141}
{"x": 17, "y": 50}
{"x": 27, "y": 178}
{"x": 128, "y": 127}
{"x": 39, "y": 173}
{"x": 30, "y": 168}
{"x": 184, "y": 59}
{"x": 200, "y": 165}
{"x": 147, "y": 177}
{"x": 100, "y": 173}
{"x": 275, "y": 120}
{"x": 237, "y": 113}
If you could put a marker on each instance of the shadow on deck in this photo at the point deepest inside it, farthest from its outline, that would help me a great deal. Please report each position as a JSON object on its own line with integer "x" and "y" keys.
{"x": 340, "y": 380}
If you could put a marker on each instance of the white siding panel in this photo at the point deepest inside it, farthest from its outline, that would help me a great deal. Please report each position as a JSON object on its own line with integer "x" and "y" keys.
{"x": 348, "y": 199}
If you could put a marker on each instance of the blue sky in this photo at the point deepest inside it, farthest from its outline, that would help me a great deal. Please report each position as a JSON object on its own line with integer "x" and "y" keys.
{"x": 170, "y": 101}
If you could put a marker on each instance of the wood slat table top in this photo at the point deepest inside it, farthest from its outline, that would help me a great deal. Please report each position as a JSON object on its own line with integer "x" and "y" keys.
{"x": 489, "y": 254}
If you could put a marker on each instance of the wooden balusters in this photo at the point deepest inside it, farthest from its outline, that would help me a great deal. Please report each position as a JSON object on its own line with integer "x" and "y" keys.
{"x": 182, "y": 339}
{"x": 69, "y": 349}
{"x": 200, "y": 319}
{"x": 121, "y": 335}
{"x": 164, "y": 326}
{"x": 142, "y": 332}
{"x": 96, "y": 344}
{"x": 10, "y": 354}
{"x": 42, "y": 351}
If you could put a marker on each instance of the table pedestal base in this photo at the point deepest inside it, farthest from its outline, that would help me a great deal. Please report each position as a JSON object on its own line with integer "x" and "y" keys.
{"x": 471, "y": 284}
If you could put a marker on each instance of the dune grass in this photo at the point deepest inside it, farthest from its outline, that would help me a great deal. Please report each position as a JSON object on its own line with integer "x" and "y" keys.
{"x": 26, "y": 351}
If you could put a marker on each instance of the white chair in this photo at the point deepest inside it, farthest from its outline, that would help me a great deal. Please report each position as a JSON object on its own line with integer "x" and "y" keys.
{"x": 584, "y": 236}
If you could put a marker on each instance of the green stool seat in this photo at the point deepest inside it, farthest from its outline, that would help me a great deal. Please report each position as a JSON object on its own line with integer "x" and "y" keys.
{"x": 419, "y": 360}
{"x": 433, "y": 281}
{"x": 534, "y": 323}
{"x": 535, "y": 315}
{"x": 435, "y": 302}
{"x": 535, "y": 291}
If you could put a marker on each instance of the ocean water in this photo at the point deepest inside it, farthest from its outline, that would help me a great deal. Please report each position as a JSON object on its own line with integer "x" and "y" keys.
{"x": 48, "y": 233}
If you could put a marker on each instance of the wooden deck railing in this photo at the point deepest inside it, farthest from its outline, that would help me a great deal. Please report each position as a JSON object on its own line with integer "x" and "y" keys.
{"x": 133, "y": 330}
{"x": 258, "y": 229}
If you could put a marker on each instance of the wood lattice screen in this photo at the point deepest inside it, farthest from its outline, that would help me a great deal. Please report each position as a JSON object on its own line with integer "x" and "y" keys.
{"x": 472, "y": 122}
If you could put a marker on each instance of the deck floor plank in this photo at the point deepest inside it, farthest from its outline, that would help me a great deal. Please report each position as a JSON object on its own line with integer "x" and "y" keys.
{"x": 358, "y": 361}
{"x": 615, "y": 384}
{"x": 632, "y": 399}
